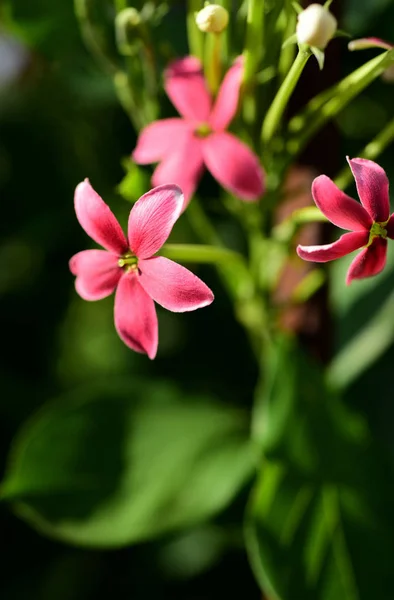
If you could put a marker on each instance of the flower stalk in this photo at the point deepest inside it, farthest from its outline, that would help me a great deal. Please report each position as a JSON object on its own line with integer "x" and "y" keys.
{"x": 371, "y": 151}
{"x": 213, "y": 61}
{"x": 275, "y": 113}
{"x": 194, "y": 35}
{"x": 329, "y": 103}
{"x": 198, "y": 253}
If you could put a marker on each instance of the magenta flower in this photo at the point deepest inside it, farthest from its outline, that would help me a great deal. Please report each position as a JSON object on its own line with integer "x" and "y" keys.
{"x": 131, "y": 267}
{"x": 370, "y": 222}
{"x": 182, "y": 146}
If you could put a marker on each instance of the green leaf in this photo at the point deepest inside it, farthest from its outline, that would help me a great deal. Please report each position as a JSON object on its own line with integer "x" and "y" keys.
{"x": 320, "y": 523}
{"x": 365, "y": 324}
{"x": 135, "y": 183}
{"x": 116, "y": 464}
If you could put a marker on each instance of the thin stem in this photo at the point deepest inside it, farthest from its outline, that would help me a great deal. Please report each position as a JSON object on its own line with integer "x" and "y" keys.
{"x": 370, "y": 151}
{"x": 226, "y": 42}
{"x": 330, "y": 102}
{"x": 120, "y": 5}
{"x": 213, "y": 61}
{"x": 194, "y": 35}
{"x": 200, "y": 253}
{"x": 125, "y": 93}
{"x": 92, "y": 36}
{"x": 237, "y": 279}
{"x": 252, "y": 55}
{"x": 287, "y": 53}
{"x": 279, "y": 104}
{"x": 253, "y": 40}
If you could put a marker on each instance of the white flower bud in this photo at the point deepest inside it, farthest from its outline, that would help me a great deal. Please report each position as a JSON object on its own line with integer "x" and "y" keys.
{"x": 316, "y": 26}
{"x": 213, "y": 18}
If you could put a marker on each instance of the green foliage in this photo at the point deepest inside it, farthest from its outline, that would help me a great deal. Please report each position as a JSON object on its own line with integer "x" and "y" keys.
{"x": 116, "y": 464}
{"x": 320, "y": 521}
{"x": 365, "y": 318}
{"x": 135, "y": 183}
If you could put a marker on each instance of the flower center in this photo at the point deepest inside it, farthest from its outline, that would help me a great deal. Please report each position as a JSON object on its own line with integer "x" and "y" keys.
{"x": 203, "y": 130}
{"x": 377, "y": 230}
{"x": 128, "y": 262}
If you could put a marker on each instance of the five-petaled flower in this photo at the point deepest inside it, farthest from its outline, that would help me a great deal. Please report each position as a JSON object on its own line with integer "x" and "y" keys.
{"x": 131, "y": 267}
{"x": 370, "y": 222}
{"x": 184, "y": 145}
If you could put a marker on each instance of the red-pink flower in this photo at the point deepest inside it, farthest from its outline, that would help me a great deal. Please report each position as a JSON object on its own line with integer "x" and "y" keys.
{"x": 370, "y": 222}
{"x": 182, "y": 146}
{"x": 130, "y": 265}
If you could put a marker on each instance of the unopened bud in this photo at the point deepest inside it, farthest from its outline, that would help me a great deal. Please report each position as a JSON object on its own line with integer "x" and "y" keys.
{"x": 213, "y": 18}
{"x": 316, "y": 26}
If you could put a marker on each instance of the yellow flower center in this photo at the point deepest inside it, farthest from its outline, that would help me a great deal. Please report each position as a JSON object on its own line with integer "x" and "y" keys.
{"x": 203, "y": 130}
{"x": 128, "y": 262}
{"x": 377, "y": 230}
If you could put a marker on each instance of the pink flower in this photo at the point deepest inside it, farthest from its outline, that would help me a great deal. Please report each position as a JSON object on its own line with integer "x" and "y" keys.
{"x": 182, "y": 146}
{"x": 370, "y": 222}
{"x": 130, "y": 267}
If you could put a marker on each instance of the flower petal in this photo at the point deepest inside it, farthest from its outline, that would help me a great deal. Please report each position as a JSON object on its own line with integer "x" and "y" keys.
{"x": 227, "y": 99}
{"x": 172, "y": 286}
{"x": 184, "y": 166}
{"x": 234, "y": 165}
{"x": 370, "y": 261}
{"x": 158, "y": 139}
{"x": 339, "y": 208}
{"x": 185, "y": 85}
{"x": 152, "y": 218}
{"x": 135, "y": 316}
{"x": 347, "y": 243}
{"x": 372, "y": 186}
{"x": 97, "y": 273}
{"x": 97, "y": 219}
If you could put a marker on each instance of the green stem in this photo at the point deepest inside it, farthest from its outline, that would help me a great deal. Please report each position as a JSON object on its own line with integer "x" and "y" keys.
{"x": 125, "y": 93}
{"x": 330, "y": 102}
{"x": 194, "y": 35}
{"x": 236, "y": 278}
{"x": 252, "y": 55}
{"x": 286, "y": 230}
{"x": 199, "y": 253}
{"x": 287, "y": 53}
{"x": 92, "y": 36}
{"x": 370, "y": 151}
{"x": 253, "y": 40}
{"x": 275, "y": 113}
{"x": 213, "y": 61}
{"x": 120, "y": 5}
{"x": 226, "y": 45}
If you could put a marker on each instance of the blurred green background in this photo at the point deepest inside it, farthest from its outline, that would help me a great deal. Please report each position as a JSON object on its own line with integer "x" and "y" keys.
{"x": 59, "y": 123}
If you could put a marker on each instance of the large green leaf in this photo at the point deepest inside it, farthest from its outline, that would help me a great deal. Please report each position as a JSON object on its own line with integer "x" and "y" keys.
{"x": 320, "y": 522}
{"x": 121, "y": 463}
{"x": 364, "y": 320}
